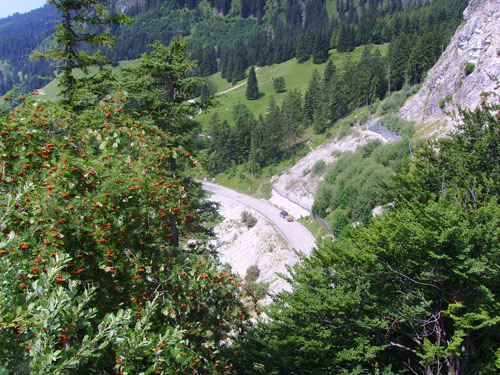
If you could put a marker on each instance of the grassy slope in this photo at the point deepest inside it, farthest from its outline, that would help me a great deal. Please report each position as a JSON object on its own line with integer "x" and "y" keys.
{"x": 51, "y": 91}
{"x": 297, "y": 76}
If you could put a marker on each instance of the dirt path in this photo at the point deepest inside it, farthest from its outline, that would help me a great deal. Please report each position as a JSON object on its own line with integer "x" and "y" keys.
{"x": 237, "y": 86}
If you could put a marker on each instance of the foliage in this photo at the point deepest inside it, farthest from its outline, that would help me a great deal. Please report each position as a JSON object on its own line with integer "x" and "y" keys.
{"x": 319, "y": 168}
{"x": 160, "y": 86}
{"x": 77, "y": 17}
{"x": 343, "y": 131}
{"x": 279, "y": 84}
{"x": 442, "y": 103}
{"x": 253, "y": 273}
{"x": 102, "y": 251}
{"x": 353, "y": 184}
{"x": 397, "y": 125}
{"x": 415, "y": 291}
{"x": 20, "y": 34}
{"x": 274, "y": 32}
{"x": 252, "y": 92}
{"x": 254, "y": 289}
{"x": 248, "y": 219}
{"x": 396, "y": 100}
{"x": 469, "y": 68}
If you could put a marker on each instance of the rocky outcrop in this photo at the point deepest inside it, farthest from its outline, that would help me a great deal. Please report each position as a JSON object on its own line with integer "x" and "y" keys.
{"x": 462, "y": 73}
{"x": 124, "y": 5}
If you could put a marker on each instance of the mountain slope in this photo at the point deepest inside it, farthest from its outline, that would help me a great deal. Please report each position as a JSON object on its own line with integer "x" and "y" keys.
{"x": 20, "y": 35}
{"x": 448, "y": 86}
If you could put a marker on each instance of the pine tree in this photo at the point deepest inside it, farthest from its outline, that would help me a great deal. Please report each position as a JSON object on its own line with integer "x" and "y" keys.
{"x": 293, "y": 118}
{"x": 398, "y": 55}
{"x": 303, "y": 49}
{"x": 311, "y": 97}
{"x": 329, "y": 71}
{"x": 273, "y": 135}
{"x": 76, "y": 16}
{"x": 209, "y": 61}
{"x": 252, "y": 92}
{"x": 159, "y": 90}
{"x": 345, "y": 40}
{"x": 244, "y": 122}
{"x": 279, "y": 84}
{"x": 292, "y": 14}
{"x": 320, "y": 49}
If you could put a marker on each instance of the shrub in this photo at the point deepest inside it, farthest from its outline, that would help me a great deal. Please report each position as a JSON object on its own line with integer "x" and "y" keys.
{"x": 396, "y": 99}
{"x": 252, "y": 220}
{"x": 319, "y": 168}
{"x": 248, "y": 219}
{"x": 103, "y": 209}
{"x": 253, "y": 273}
{"x": 279, "y": 84}
{"x": 244, "y": 216}
{"x": 344, "y": 130}
{"x": 469, "y": 68}
{"x": 339, "y": 222}
{"x": 399, "y": 126}
{"x": 260, "y": 290}
{"x": 353, "y": 181}
{"x": 253, "y": 288}
{"x": 441, "y": 103}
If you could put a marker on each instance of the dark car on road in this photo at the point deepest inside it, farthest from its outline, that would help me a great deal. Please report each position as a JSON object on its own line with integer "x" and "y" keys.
{"x": 283, "y": 214}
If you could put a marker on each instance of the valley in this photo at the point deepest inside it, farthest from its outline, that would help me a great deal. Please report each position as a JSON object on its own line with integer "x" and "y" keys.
{"x": 226, "y": 187}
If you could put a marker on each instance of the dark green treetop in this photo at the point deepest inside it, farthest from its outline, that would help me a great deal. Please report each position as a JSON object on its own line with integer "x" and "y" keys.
{"x": 79, "y": 19}
{"x": 252, "y": 92}
{"x": 416, "y": 291}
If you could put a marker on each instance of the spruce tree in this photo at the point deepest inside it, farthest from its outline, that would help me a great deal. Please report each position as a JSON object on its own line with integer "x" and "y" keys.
{"x": 279, "y": 84}
{"x": 252, "y": 92}
{"x": 160, "y": 87}
{"x": 320, "y": 48}
{"x": 76, "y": 17}
{"x": 329, "y": 71}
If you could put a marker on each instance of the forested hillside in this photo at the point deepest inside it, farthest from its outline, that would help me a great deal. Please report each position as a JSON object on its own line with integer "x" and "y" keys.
{"x": 413, "y": 292}
{"x": 231, "y": 36}
{"x": 20, "y": 35}
{"x": 105, "y": 256}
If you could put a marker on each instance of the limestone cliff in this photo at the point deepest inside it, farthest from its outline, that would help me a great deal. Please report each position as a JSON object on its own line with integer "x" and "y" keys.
{"x": 450, "y": 83}
{"x": 125, "y": 5}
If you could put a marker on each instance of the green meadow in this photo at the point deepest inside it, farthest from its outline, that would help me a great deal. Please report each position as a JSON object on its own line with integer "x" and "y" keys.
{"x": 51, "y": 91}
{"x": 297, "y": 76}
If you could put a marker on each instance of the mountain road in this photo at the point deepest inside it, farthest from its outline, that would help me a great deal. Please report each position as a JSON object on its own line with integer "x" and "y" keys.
{"x": 295, "y": 233}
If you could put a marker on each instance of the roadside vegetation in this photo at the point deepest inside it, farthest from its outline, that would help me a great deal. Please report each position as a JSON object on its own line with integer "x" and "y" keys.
{"x": 103, "y": 249}
{"x": 381, "y": 297}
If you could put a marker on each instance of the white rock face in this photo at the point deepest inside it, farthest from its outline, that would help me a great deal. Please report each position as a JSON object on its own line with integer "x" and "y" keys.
{"x": 477, "y": 42}
{"x": 124, "y": 5}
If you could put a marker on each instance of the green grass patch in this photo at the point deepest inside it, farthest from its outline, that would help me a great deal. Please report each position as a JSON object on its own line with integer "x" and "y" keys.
{"x": 240, "y": 180}
{"x": 52, "y": 90}
{"x": 317, "y": 230}
{"x": 297, "y": 76}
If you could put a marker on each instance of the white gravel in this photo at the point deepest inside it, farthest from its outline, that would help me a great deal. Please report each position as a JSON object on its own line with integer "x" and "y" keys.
{"x": 241, "y": 247}
{"x": 301, "y": 186}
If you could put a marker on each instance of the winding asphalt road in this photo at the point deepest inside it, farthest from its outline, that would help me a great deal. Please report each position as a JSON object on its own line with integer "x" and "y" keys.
{"x": 296, "y": 234}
